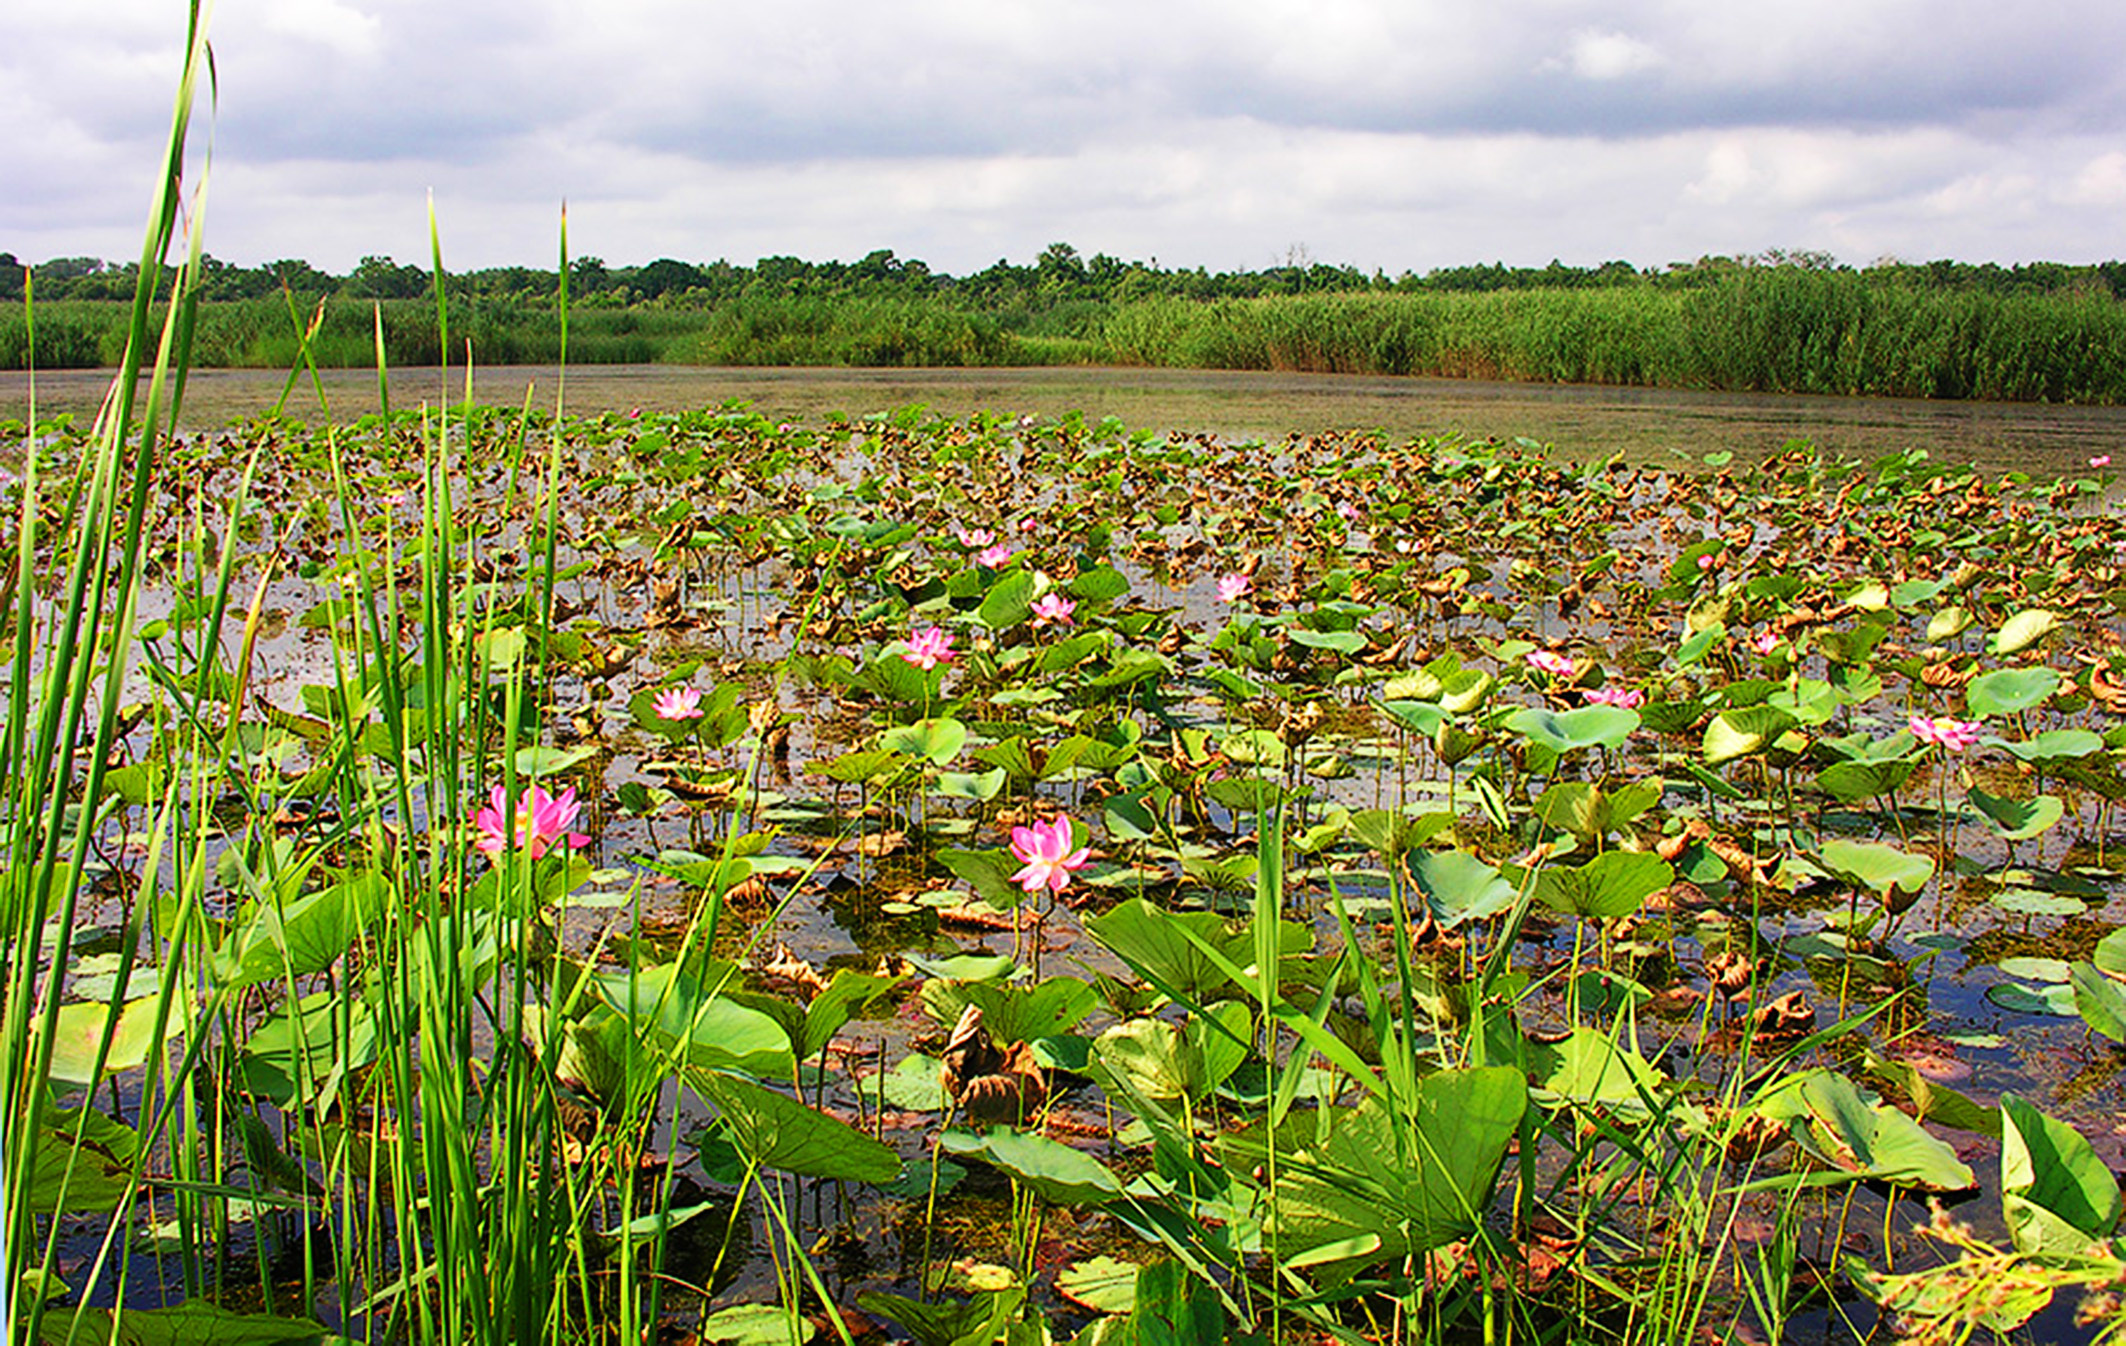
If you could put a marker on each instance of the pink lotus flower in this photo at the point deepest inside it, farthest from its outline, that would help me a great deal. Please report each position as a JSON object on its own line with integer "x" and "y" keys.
{"x": 973, "y": 538}
{"x": 678, "y": 703}
{"x": 2101, "y": 460}
{"x": 542, "y": 819}
{"x": 1766, "y": 642}
{"x": 1629, "y": 698}
{"x": 1949, "y": 734}
{"x": 1234, "y": 587}
{"x": 993, "y": 556}
{"x": 1551, "y": 662}
{"x": 1053, "y": 610}
{"x": 1045, "y": 849}
{"x": 930, "y": 647}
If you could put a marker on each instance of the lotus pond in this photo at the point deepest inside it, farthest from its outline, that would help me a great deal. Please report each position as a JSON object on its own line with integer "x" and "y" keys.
{"x": 694, "y": 877}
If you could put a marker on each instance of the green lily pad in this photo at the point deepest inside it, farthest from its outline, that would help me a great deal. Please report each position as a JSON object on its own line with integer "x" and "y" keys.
{"x": 756, "y": 1325}
{"x": 2056, "y": 1001}
{"x": 2007, "y": 691}
{"x": 2031, "y": 902}
{"x": 1102, "y": 1284}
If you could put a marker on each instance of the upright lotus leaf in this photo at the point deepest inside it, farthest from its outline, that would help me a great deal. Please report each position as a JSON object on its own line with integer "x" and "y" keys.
{"x": 312, "y": 1043}
{"x": 1100, "y": 584}
{"x": 1883, "y": 869}
{"x": 851, "y": 767}
{"x": 2007, "y": 691}
{"x": 1949, "y": 623}
{"x": 1151, "y": 941}
{"x": 1221, "y": 1033}
{"x": 1931, "y": 1100}
{"x": 1013, "y": 1013}
{"x": 1171, "y": 1307}
{"x": 1851, "y": 782}
{"x": 1060, "y": 1173}
{"x": 1574, "y": 806}
{"x": 2055, "y": 745}
{"x": 1837, "y": 1125}
{"x": 1459, "y": 887}
{"x": 776, "y": 1131}
{"x": 1385, "y": 1184}
{"x": 979, "y": 786}
{"x": 1811, "y": 701}
{"x": 1609, "y": 886}
{"x": 80, "y": 1031}
{"x": 1161, "y": 1063}
{"x": 2056, "y": 1194}
{"x": 84, "y": 1162}
{"x": 682, "y": 1015}
{"x": 976, "y": 1321}
{"x": 1912, "y": 594}
{"x": 1008, "y": 602}
{"x": 2110, "y": 953}
{"x": 1390, "y": 833}
{"x": 936, "y": 740}
{"x": 1421, "y": 716}
{"x": 832, "y": 1007}
{"x": 894, "y": 679}
{"x": 1743, "y": 732}
{"x": 298, "y": 937}
{"x": 1013, "y": 755}
{"x": 2100, "y": 1000}
{"x": 1570, "y": 730}
{"x": 2017, "y": 819}
{"x": 1596, "y": 1068}
{"x": 988, "y": 872}
{"x": 2023, "y": 630}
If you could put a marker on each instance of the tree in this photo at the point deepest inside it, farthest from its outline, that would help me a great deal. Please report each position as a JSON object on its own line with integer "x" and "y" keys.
{"x": 381, "y": 278}
{"x": 666, "y": 276}
{"x": 587, "y": 275}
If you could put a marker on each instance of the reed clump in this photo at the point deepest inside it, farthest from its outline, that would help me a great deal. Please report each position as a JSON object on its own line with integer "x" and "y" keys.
{"x": 1880, "y": 332}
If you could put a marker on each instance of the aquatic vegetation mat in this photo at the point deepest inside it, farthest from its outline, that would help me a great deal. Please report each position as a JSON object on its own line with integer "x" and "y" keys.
{"x": 489, "y": 874}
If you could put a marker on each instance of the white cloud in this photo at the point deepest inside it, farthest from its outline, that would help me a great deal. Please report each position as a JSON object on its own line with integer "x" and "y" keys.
{"x": 1385, "y": 133}
{"x": 328, "y": 23}
{"x": 1599, "y": 55}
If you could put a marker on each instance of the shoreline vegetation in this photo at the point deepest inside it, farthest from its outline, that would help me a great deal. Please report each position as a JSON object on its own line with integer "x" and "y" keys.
{"x": 1777, "y": 322}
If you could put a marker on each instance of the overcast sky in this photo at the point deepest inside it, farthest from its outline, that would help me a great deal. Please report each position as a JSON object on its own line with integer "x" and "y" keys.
{"x": 1390, "y": 134}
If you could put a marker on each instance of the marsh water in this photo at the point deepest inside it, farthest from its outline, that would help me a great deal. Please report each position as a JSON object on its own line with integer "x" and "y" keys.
{"x": 1648, "y": 425}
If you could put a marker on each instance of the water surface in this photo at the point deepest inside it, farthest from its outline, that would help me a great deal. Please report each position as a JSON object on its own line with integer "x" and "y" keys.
{"x": 1647, "y": 424}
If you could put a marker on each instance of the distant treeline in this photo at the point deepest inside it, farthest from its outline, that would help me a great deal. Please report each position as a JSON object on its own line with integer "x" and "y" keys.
{"x": 1778, "y": 322}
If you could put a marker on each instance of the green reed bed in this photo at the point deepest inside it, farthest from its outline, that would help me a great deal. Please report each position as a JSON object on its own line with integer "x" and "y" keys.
{"x": 1766, "y": 329}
